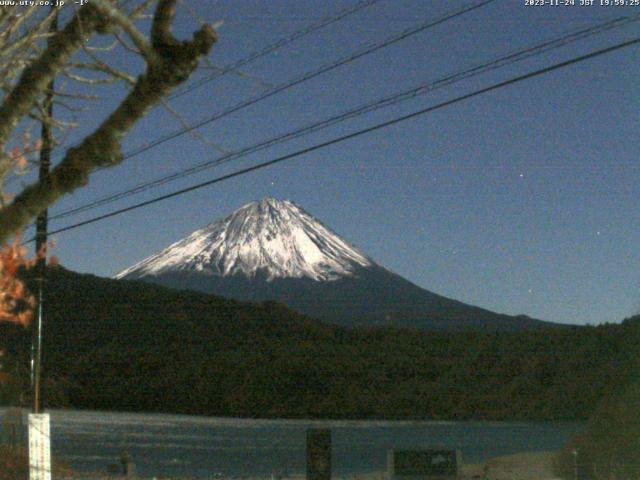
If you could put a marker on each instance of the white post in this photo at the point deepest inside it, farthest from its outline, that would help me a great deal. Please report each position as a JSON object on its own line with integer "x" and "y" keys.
{"x": 39, "y": 447}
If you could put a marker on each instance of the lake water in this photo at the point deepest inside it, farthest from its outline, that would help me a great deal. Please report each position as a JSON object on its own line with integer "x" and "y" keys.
{"x": 178, "y": 445}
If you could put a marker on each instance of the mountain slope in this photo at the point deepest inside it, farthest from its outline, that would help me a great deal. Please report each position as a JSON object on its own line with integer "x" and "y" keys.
{"x": 370, "y": 297}
{"x": 274, "y": 250}
{"x": 113, "y": 345}
{"x": 275, "y": 238}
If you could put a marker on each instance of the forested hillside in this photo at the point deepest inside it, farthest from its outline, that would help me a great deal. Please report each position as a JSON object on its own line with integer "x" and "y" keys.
{"x": 135, "y": 346}
{"x": 610, "y": 445}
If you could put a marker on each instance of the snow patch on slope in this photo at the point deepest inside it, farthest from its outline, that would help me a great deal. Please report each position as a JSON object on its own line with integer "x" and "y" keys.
{"x": 272, "y": 236}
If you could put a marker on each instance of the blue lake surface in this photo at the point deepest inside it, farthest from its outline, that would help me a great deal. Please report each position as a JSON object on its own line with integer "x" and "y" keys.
{"x": 180, "y": 445}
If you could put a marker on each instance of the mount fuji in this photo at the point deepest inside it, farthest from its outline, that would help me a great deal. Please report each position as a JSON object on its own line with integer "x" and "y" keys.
{"x": 274, "y": 250}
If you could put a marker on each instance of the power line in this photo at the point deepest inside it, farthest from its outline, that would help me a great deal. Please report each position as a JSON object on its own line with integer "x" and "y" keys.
{"x": 310, "y": 75}
{"x": 275, "y": 46}
{"x": 282, "y": 42}
{"x": 358, "y": 133}
{"x": 500, "y": 62}
{"x": 429, "y": 23}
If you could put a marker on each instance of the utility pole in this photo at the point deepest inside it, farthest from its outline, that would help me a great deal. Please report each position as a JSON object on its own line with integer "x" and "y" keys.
{"x": 39, "y": 423}
{"x": 41, "y": 233}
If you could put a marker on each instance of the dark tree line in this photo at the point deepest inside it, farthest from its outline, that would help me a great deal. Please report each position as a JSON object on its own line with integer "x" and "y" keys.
{"x": 140, "y": 347}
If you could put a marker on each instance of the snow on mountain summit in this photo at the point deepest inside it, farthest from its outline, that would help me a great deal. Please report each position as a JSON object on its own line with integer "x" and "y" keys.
{"x": 275, "y": 237}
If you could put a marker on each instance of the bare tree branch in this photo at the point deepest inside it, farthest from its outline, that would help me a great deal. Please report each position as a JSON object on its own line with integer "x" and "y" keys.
{"x": 171, "y": 63}
{"x": 136, "y": 36}
{"x": 193, "y": 133}
{"x": 36, "y": 77}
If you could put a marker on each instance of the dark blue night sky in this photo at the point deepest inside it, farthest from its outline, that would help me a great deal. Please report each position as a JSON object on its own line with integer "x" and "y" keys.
{"x": 522, "y": 200}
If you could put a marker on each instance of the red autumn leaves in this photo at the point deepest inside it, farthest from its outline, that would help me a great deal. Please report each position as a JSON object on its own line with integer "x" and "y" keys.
{"x": 16, "y": 303}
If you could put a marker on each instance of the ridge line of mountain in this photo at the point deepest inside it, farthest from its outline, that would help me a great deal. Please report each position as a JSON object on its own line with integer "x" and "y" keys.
{"x": 275, "y": 250}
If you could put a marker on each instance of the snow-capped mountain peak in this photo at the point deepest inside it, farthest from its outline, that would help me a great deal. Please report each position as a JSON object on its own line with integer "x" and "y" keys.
{"x": 274, "y": 237}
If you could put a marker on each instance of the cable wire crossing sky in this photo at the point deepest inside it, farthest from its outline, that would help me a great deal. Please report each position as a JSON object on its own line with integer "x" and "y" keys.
{"x": 486, "y": 151}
